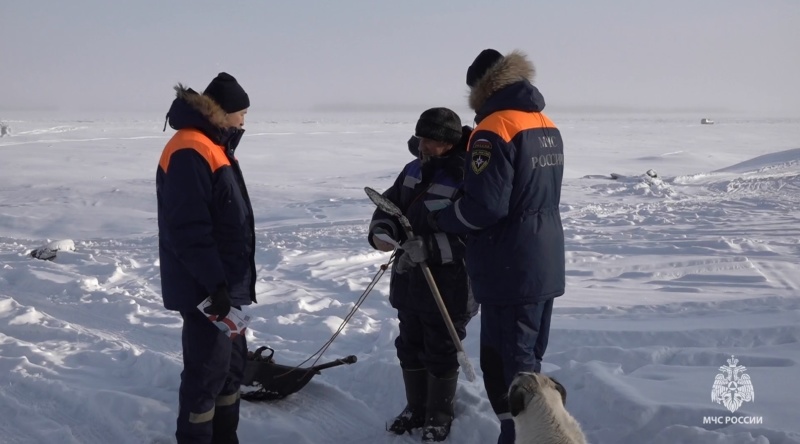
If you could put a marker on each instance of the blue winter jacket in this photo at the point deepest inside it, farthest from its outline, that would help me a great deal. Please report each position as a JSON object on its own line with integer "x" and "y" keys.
{"x": 512, "y": 191}
{"x": 418, "y": 190}
{"x": 206, "y": 234}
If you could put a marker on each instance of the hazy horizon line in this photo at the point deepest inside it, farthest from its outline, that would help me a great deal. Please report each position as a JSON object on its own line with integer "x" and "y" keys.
{"x": 374, "y": 107}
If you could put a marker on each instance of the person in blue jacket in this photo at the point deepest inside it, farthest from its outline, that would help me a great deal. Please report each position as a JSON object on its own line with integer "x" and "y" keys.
{"x": 206, "y": 245}
{"x": 426, "y": 352}
{"x": 510, "y": 213}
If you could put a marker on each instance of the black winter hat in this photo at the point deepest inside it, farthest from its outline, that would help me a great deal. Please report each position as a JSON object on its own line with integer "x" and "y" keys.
{"x": 485, "y": 60}
{"x": 227, "y": 92}
{"x": 440, "y": 124}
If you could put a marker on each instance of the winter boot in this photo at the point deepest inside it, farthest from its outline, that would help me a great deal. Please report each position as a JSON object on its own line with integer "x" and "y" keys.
{"x": 226, "y": 419}
{"x": 439, "y": 412}
{"x": 413, "y": 416}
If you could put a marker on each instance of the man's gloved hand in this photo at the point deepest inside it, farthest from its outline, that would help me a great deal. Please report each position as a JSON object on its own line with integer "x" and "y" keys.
{"x": 380, "y": 244}
{"x": 220, "y": 302}
{"x": 415, "y": 249}
{"x": 404, "y": 264}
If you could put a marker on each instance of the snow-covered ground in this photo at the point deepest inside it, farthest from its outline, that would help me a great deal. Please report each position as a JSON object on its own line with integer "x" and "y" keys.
{"x": 667, "y": 278}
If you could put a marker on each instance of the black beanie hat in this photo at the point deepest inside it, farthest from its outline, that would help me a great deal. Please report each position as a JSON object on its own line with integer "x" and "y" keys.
{"x": 485, "y": 60}
{"x": 227, "y": 92}
{"x": 440, "y": 124}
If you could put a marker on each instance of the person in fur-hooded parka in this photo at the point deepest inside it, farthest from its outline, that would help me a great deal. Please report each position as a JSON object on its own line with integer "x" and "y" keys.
{"x": 206, "y": 243}
{"x": 510, "y": 211}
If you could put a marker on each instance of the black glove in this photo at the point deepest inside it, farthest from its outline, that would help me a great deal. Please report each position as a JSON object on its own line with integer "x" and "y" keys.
{"x": 220, "y": 302}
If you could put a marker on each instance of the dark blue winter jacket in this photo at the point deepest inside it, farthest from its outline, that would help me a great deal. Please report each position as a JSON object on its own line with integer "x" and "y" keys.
{"x": 512, "y": 191}
{"x": 206, "y": 234}
{"x": 418, "y": 190}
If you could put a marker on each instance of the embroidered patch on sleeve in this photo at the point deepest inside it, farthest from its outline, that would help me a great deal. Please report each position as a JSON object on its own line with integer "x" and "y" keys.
{"x": 480, "y": 160}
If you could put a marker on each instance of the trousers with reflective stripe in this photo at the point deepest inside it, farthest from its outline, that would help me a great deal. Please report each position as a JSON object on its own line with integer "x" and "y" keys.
{"x": 513, "y": 339}
{"x": 213, "y": 367}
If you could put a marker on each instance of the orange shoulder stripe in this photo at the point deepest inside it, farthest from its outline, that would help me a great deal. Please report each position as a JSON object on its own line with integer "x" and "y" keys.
{"x": 509, "y": 123}
{"x": 193, "y": 139}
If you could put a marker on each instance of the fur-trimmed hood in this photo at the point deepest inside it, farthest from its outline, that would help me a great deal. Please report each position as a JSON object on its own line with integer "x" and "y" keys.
{"x": 200, "y": 112}
{"x": 203, "y": 104}
{"x": 513, "y": 68}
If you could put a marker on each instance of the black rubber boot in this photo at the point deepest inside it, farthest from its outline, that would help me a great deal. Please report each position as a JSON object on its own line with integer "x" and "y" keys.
{"x": 413, "y": 416}
{"x": 439, "y": 412}
{"x": 226, "y": 421}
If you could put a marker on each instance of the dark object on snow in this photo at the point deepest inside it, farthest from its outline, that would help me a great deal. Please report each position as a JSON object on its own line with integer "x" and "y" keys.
{"x": 276, "y": 381}
{"x": 706, "y": 121}
{"x": 44, "y": 254}
{"x": 616, "y": 176}
{"x": 48, "y": 252}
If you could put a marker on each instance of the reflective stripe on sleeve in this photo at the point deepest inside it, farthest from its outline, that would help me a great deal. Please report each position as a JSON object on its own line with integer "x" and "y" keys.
{"x": 444, "y": 247}
{"x": 461, "y": 217}
{"x": 437, "y": 204}
{"x": 442, "y": 190}
{"x": 411, "y": 181}
{"x": 395, "y": 232}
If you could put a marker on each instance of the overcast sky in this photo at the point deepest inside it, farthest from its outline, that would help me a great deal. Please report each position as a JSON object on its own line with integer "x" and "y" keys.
{"x": 127, "y": 55}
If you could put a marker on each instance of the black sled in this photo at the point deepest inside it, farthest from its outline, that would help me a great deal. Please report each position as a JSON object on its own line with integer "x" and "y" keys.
{"x": 275, "y": 381}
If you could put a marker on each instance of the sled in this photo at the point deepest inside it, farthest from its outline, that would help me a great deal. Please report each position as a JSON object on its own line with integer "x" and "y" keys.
{"x": 275, "y": 381}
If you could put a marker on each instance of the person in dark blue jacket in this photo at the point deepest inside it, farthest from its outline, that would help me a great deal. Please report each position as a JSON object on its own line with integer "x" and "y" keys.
{"x": 426, "y": 352}
{"x": 206, "y": 245}
{"x": 510, "y": 212}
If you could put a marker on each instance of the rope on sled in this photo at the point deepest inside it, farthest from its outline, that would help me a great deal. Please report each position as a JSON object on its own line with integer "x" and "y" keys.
{"x": 262, "y": 394}
{"x": 349, "y": 316}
